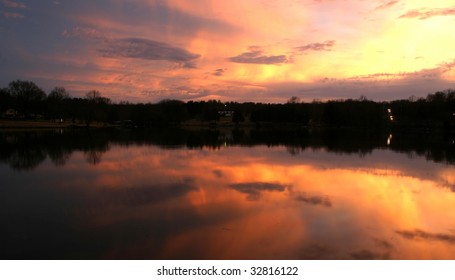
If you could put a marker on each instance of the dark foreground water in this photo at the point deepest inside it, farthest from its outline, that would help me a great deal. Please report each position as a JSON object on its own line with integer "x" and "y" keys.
{"x": 176, "y": 194}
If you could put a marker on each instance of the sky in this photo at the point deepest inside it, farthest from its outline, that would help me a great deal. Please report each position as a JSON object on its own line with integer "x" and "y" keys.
{"x": 255, "y": 50}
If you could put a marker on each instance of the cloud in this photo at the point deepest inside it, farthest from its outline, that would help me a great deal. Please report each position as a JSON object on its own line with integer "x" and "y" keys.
{"x": 136, "y": 48}
{"x": 324, "y": 46}
{"x": 149, "y": 50}
{"x": 426, "y": 13}
{"x": 84, "y": 33}
{"x": 179, "y": 92}
{"x": 254, "y": 189}
{"x": 422, "y": 235}
{"x": 14, "y": 5}
{"x": 218, "y": 72}
{"x": 315, "y": 200}
{"x": 13, "y": 15}
{"x": 255, "y": 56}
{"x": 435, "y": 72}
{"x": 387, "y": 5}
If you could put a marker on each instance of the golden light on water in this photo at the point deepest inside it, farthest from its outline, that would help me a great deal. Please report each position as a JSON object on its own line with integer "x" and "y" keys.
{"x": 239, "y": 204}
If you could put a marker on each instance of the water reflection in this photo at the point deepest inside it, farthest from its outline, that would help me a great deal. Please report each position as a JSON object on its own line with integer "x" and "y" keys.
{"x": 137, "y": 197}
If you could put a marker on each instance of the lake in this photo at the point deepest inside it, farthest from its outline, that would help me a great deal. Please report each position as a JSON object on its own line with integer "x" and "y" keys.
{"x": 226, "y": 194}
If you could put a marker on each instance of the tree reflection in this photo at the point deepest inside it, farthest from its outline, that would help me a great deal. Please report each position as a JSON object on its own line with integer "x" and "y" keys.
{"x": 26, "y": 159}
{"x": 24, "y": 150}
{"x": 93, "y": 157}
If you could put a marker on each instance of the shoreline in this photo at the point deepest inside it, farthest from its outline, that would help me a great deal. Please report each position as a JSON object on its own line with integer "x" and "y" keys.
{"x": 8, "y": 124}
{"x": 36, "y": 124}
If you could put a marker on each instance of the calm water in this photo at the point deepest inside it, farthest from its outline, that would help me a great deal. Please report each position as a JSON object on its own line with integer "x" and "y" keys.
{"x": 226, "y": 195}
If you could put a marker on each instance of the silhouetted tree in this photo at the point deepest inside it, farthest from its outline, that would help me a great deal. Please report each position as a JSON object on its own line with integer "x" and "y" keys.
{"x": 294, "y": 100}
{"x": 96, "y": 107}
{"x": 57, "y": 103}
{"x": 58, "y": 93}
{"x": 6, "y": 100}
{"x": 93, "y": 95}
{"x": 173, "y": 110}
{"x": 28, "y": 96}
{"x": 238, "y": 116}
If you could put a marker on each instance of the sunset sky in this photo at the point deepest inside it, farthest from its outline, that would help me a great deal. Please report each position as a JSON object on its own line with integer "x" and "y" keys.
{"x": 238, "y": 50}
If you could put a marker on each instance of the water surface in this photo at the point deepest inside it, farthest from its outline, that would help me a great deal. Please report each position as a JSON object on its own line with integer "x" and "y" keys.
{"x": 226, "y": 195}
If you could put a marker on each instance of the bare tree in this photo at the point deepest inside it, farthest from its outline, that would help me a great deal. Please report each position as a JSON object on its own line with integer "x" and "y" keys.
{"x": 93, "y": 95}
{"x": 58, "y": 93}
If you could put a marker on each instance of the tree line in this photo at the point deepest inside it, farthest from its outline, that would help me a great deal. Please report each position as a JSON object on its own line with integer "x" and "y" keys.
{"x": 25, "y": 100}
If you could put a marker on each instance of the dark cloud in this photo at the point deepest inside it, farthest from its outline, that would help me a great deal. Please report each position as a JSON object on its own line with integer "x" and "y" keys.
{"x": 324, "y": 46}
{"x": 13, "y": 4}
{"x": 426, "y": 236}
{"x": 219, "y": 72}
{"x": 426, "y": 13}
{"x": 149, "y": 50}
{"x": 255, "y": 56}
{"x": 135, "y": 47}
{"x": 254, "y": 189}
{"x": 387, "y": 5}
{"x": 314, "y": 200}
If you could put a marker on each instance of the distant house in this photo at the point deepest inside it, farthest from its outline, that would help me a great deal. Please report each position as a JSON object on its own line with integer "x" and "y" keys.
{"x": 10, "y": 114}
{"x": 225, "y": 117}
{"x": 226, "y": 113}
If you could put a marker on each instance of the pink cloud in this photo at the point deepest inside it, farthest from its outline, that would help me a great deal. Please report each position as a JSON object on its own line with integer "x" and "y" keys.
{"x": 324, "y": 46}
{"x": 428, "y": 13}
{"x": 255, "y": 55}
{"x": 15, "y": 5}
{"x": 387, "y": 5}
{"x": 13, "y": 15}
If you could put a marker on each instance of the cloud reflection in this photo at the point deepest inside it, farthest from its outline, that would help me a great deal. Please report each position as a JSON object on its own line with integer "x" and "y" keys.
{"x": 314, "y": 200}
{"x": 369, "y": 255}
{"x": 254, "y": 189}
{"x": 420, "y": 235}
